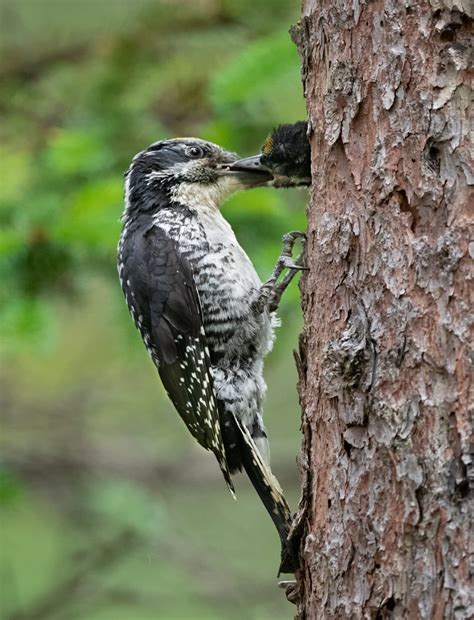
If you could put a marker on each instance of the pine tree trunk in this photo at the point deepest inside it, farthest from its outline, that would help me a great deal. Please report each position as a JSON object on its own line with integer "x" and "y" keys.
{"x": 384, "y": 358}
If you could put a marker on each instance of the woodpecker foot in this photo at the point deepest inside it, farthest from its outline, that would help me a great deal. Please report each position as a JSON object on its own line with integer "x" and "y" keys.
{"x": 291, "y": 591}
{"x": 272, "y": 290}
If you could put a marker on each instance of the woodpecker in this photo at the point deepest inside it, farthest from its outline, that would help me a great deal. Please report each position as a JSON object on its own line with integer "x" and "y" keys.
{"x": 286, "y": 154}
{"x": 205, "y": 317}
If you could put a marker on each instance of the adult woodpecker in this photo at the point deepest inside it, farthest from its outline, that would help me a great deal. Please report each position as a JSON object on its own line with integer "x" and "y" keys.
{"x": 205, "y": 317}
{"x": 286, "y": 154}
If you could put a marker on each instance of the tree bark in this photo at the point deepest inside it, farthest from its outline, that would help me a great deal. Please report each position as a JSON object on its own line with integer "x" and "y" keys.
{"x": 384, "y": 358}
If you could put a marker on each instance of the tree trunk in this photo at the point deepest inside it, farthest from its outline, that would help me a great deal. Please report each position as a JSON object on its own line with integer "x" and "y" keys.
{"x": 384, "y": 357}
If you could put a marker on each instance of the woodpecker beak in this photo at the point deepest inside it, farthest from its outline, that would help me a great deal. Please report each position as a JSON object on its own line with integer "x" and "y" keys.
{"x": 250, "y": 171}
{"x": 250, "y": 164}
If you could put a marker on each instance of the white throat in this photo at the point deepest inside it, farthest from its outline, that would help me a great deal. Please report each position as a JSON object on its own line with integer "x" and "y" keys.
{"x": 197, "y": 195}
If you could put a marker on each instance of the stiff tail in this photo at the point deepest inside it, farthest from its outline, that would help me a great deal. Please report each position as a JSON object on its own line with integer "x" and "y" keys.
{"x": 270, "y": 493}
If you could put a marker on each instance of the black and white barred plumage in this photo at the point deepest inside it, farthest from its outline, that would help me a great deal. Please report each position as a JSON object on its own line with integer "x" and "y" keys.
{"x": 196, "y": 299}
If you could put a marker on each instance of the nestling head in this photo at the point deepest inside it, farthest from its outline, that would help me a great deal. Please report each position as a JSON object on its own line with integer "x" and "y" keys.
{"x": 286, "y": 153}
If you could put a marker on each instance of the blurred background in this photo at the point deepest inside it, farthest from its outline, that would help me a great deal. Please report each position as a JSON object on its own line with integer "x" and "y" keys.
{"x": 109, "y": 509}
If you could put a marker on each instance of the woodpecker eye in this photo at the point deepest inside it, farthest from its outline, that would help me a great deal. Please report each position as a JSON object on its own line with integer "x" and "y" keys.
{"x": 194, "y": 151}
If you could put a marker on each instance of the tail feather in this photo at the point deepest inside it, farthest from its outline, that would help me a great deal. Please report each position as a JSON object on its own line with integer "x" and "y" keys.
{"x": 270, "y": 493}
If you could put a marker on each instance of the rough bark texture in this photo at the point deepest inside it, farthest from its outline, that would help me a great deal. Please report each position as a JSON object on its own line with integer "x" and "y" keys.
{"x": 384, "y": 360}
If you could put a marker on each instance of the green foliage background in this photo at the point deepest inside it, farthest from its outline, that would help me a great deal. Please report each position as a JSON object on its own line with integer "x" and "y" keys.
{"x": 108, "y": 508}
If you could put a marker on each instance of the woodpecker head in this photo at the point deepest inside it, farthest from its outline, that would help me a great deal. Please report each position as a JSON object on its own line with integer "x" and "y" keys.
{"x": 189, "y": 171}
{"x": 286, "y": 154}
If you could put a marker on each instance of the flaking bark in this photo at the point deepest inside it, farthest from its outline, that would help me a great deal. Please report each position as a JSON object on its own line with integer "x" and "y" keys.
{"x": 384, "y": 359}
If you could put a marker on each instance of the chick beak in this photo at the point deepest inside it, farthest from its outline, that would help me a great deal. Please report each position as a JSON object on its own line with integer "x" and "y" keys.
{"x": 250, "y": 171}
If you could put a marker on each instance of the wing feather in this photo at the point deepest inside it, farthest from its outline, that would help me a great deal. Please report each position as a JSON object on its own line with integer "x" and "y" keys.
{"x": 161, "y": 293}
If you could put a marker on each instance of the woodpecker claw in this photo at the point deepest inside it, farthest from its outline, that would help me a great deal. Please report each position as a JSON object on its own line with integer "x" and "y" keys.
{"x": 271, "y": 291}
{"x": 291, "y": 591}
{"x": 287, "y": 262}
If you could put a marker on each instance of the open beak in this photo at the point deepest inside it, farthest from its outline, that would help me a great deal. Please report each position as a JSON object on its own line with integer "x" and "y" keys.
{"x": 250, "y": 171}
